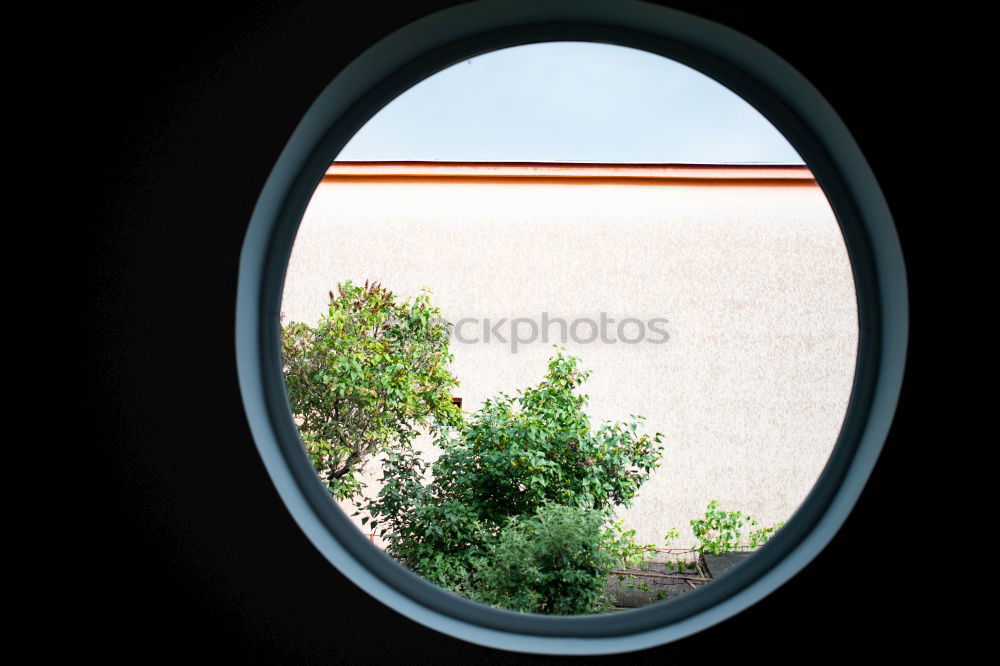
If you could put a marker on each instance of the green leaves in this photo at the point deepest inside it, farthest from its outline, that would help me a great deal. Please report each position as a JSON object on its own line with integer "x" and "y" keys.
{"x": 722, "y": 531}
{"x": 366, "y": 378}
{"x": 502, "y": 466}
{"x": 539, "y": 446}
{"x": 547, "y": 562}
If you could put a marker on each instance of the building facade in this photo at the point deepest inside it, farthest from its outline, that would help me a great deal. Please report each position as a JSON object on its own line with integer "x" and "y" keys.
{"x": 716, "y": 301}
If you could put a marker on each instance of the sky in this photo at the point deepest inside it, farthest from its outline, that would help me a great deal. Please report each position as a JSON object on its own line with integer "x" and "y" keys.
{"x": 570, "y": 102}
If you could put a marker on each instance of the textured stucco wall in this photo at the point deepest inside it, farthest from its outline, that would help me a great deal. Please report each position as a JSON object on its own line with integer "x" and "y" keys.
{"x": 749, "y": 389}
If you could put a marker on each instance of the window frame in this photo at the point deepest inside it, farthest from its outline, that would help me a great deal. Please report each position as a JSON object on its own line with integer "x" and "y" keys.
{"x": 774, "y": 88}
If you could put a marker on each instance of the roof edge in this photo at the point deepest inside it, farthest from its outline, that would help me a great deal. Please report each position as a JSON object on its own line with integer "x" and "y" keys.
{"x": 573, "y": 171}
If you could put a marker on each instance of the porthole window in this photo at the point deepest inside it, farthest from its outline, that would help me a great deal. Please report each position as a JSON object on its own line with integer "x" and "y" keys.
{"x": 860, "y": 349}
{"x": 611, "y": 203}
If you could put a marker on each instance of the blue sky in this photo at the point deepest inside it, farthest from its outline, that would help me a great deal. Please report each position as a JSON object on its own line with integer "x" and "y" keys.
{"x": 570, "y": 102}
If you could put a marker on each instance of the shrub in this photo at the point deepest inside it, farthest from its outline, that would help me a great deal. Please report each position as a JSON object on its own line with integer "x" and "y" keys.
{"x": 551, "y": 561}
{"x": 507, "y": 460}
{"x": 517, "y": 452}
{"x": 433, "y": 534}
{"x": 366, "y": 378}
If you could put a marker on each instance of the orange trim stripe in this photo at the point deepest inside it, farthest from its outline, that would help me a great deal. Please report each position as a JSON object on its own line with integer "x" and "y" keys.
{"x": 569, "y": 173}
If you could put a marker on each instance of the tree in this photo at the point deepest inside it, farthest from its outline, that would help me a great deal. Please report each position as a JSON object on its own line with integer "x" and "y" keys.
{"x": 366, "y": 379}
{"x": 508, "y": 460}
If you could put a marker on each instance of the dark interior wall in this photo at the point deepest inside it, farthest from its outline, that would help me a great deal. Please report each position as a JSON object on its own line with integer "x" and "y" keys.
{"x": 182, "y": 547}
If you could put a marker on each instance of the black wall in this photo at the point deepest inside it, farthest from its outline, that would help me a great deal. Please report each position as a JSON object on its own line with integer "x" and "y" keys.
{"x": 180, "y": 546}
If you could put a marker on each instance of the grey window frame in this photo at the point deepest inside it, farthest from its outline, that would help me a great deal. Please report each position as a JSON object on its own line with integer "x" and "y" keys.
{"x": 785, "y": 97}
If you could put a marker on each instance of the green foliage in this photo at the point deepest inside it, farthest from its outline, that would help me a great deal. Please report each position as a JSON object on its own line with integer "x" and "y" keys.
{"x": 626, "y": 554}
{"x": 549, "y": 562}
{"x": 679, "y": 564}
{"x": 759, "y": 537}
{"x": 517, "y": 452}
{"x": 722, "y": 531}
{"x": 621, "y": 545}
{"x": 432, "y": 533}
{"x": 505, "y": 462}
{"x": 366, "y": 378}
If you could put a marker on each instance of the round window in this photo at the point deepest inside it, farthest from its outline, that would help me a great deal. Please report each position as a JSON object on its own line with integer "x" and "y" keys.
{"x": 851, "y": 301}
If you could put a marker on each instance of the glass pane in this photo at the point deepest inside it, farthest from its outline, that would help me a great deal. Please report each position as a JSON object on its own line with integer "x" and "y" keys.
{"x": 547, "y": 222}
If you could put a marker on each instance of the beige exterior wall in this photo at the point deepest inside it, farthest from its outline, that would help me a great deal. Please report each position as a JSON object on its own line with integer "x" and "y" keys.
{"x": 753, "y": 278}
